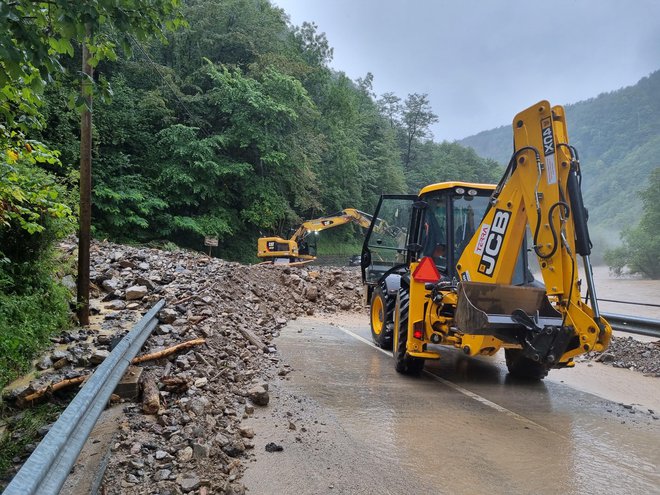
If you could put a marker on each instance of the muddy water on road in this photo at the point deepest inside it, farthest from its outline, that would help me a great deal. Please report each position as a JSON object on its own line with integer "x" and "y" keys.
{"x": 469, "y": 431}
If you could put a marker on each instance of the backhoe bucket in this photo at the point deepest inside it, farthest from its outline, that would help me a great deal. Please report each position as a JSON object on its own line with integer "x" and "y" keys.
{"x": 485, "y": 308}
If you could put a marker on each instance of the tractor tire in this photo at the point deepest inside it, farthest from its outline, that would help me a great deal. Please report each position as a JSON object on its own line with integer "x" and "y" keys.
{"x": 403, "y": 363}
{"x": 382, "y": 317}
{"x": 523, "y": 367}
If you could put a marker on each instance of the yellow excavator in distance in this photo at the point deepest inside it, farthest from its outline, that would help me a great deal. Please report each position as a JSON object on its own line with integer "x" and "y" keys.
{"x": 298, "y": 248}
{"x": 464, "y": 280}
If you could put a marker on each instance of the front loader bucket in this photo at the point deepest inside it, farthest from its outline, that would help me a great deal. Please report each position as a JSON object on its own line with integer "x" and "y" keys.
{"x": 483, "y": 308}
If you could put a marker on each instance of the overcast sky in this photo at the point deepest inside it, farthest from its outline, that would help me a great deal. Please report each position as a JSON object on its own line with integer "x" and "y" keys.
{"x": 482, "y": 61}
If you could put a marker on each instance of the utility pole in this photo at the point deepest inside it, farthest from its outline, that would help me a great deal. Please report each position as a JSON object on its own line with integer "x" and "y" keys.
{"x": 84, "y": 234}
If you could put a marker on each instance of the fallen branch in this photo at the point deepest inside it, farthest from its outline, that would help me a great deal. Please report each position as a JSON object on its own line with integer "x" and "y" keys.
{"x": 175, "y": 383}
{"x": 168, "y": 351}
{"x": 49, "y": 389}
{"x": 253, "y": 339}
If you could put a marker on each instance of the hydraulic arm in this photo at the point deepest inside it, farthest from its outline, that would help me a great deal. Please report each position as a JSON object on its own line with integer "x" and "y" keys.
{"x": 540, "y": 188}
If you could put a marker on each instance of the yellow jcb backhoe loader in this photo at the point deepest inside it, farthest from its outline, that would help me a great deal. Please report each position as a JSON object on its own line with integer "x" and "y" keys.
{"x": 299, "y": 248}
{"x": 460, "y": 277}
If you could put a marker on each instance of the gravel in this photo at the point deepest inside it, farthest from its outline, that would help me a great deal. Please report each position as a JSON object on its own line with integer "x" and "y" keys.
{"x": 630, "y": 353}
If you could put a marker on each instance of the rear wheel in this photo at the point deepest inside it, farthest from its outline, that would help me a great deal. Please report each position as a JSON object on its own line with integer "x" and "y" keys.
{"x": 523, "y": 367}
{"x": 404, "y": 363}
{"x": 382, "y": 314}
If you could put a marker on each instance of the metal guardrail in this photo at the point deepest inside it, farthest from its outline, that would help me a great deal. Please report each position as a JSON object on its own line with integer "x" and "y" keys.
{"x": 633, "y": 324}
{"x": 47, "y": 468}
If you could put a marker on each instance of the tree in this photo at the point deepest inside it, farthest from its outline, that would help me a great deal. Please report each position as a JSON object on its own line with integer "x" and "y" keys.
{"x": 36, "y": 36}
{"x": 640, "y": 251}
{"x": 390, "y": 106}
{"x": 416, "y": 118}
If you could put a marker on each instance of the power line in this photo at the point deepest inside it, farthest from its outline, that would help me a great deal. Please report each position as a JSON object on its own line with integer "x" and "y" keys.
{"x": 167, "y": 82}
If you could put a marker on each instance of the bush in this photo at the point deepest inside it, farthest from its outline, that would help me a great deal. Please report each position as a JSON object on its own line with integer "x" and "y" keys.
{"x": 27, "y": 320}
{"x": 34, "y": 214}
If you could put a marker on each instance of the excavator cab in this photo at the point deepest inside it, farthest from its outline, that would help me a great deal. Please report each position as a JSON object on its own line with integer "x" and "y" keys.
{"x": 439, "y": 223}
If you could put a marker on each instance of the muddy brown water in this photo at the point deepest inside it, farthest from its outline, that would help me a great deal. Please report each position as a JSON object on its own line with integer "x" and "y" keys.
{"x": 462, "y": 427}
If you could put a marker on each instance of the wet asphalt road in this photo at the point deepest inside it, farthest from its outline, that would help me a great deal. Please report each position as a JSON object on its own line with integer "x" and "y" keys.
{"x": 350, "y": 424}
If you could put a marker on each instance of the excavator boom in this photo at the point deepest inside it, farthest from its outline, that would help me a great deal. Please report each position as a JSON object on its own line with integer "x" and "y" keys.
{"x": 294, "y": 250}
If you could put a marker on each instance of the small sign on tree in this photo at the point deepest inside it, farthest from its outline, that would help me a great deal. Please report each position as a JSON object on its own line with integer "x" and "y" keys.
{"x": 211, "y": 241}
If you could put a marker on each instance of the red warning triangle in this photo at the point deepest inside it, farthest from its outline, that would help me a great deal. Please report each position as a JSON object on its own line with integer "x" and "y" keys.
{"x": 426, "y": 271}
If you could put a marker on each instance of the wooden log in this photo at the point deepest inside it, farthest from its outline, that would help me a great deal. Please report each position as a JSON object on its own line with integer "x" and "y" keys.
{"x": 253, "y": 339}
{"x": 150, "y": 394}
{"x": 49, "y": 389}
{"x": 168, "y": 351}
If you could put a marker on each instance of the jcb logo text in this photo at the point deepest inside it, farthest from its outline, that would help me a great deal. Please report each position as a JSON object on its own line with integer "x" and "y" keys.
{"x": 494, "y": 242}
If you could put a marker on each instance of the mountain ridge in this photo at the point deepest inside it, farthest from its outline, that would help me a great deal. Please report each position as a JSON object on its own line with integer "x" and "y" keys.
{"x": 617, "y": 134}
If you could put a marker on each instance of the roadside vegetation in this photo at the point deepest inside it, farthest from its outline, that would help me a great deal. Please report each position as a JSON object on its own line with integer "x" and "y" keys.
{"x": 639, "y": 252}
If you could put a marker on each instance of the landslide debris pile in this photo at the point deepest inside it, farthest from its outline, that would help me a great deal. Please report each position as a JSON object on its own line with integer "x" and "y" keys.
{"x": 627, "y": 352}
{"x": 194, "y": 442}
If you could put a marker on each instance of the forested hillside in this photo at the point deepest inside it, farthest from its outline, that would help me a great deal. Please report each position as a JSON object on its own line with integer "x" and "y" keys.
{"x": 237, "y": 126}
{"x": 210, "y": 118}
{"x": 618, "y": 137}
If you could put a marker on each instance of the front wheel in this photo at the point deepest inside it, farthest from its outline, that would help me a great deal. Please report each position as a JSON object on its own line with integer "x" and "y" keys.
{"x": 382, "y": 313}
{"x": 403, "y": 362}
{"x": 523, "y": 367}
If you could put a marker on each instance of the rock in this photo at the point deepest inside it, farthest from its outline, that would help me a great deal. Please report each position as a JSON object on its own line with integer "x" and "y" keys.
{"x": 44, "y": 363}
{"x": 94, "y": 308}
{"x": 136, "y": 292}
{"x": 246, "y": 432}
{"x": 162, "y": 455}
{"x": 200, "y": 450}
{"x": 110, "y": 284}
{"x": 605, "y": 357}
{"x": 273, "y": 447}
{"x": 349, "y": 286}
{"x": 162, "y": 475}
{"x": 167, "y": 315}
{"x": 60, "y": 363}
{"x": 164, "y": 329}
{"x": 311, "y": 293}
{"x": 258, "y": 395}
{"x": 99, "y": 356}
{"x": 189, "y": 483}
{"x": 116, "y": 305}
{"x": 185, "y": 455}
{"x": 59, "y": 354}
{"x": 234, "y": 448}
{"x": 201, "y": 382}
{"x": 198, "y": 405}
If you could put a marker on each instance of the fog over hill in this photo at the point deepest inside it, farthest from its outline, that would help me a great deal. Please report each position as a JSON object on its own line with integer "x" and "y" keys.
{"x": 618, "y": 137}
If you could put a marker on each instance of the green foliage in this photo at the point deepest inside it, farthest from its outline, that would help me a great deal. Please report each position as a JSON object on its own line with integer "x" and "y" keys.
{"x": 27, "y": 320}
{"x": 438, "y": 162}
{"x": 23, "y": 429}
{"x": 640, "y": 251}
{"x": 239, "y": 128}
{"x": 28, "y": 194}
